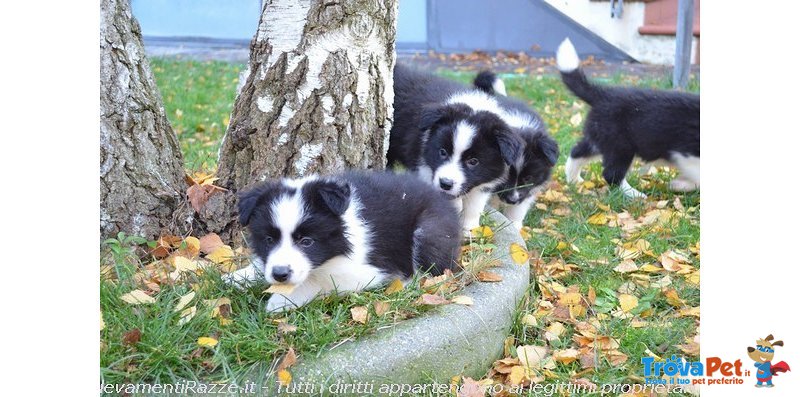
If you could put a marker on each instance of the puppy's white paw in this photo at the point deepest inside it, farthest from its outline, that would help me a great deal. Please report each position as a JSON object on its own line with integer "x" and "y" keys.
{"x": 279, "y": 303}
{"x": 517, "y": 225}
{"x": 629, "y": 191}
{"x": 682, "y": 185}
{"x": 469, "y": 225}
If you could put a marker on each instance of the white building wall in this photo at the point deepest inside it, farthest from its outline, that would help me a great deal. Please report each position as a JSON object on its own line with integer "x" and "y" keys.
{"x": 622, "y": 32}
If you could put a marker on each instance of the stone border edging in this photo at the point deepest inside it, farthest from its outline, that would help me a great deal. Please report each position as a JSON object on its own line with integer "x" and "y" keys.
{"x": 450, "y": 340}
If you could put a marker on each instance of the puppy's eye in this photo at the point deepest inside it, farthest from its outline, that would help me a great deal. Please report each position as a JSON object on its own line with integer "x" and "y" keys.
{"x": 443, "y": 153}
{"x": 306, "y": 242}
{"x": 527, "y": 179}
{"x": 473, "y": 162}
{"x": 269, "y": 240}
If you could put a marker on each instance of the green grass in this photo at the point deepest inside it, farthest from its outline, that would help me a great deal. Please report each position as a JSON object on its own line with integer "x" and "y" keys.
{"x": 204, "y": 94}
{"x": 198, "y": 98}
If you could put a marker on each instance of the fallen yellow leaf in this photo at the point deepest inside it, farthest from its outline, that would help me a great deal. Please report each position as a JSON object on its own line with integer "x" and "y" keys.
{"x": 102, "y": 323}
{"x": 137, "y": 297}
{"x": 519, "y": 254}
{"x": 187, "y": 314}
{"x": 598, "y": 219}
{"x": 284, "y": 377}
{"x": 183, "y": 301}
{"x": 283, "y": 289}
{"x": 462, "y": 300}
{"x": 482, "y": 232}
{"x": 395, "y": 286}
{"x": 192, "y": 245}
{"x": 221, "y": 255}
{"x": 628, "y": 302}
{"x": 205, "y": 341}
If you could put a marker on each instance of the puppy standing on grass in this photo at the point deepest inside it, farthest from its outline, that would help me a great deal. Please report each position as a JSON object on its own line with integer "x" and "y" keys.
{"x": 628, "y": 122}
{"x": 452, "y": 137}
{"x": 344, "y": 233}
{"x": 530, "y": 174}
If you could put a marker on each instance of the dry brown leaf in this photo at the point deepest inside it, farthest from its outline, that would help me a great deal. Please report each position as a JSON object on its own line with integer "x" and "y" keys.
{"x": 470, "y": 388}
{"x": 286, "y": 328}
{"x": 360, "y": 314}
{"x": 462, "y": 300}
{"x": 209, "y": 243}
{"x": 626, "y": 266}
{"x": 616, "y": 357}
{"x": 488, "y": 277}
{"x": 554, "y": 331}
{"x": 531, "y": 356}
{"x": 380, "y": 307}
{"x": 566, "y": 356}
{"x": 132, "y": 337}
{"x": 288, "y": 360}
{"x": 430, "y": 299}
{"x": 137, "y": 297}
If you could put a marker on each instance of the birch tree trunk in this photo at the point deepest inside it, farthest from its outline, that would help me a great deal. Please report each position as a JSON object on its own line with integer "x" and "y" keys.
{"x": 141, "y": 167}
{"x": 317, "y": 97}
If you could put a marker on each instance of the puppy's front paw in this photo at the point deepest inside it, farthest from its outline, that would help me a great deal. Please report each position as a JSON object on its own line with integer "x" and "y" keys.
{"x": 682, "y": 185}
{"x": 279, "y": 303}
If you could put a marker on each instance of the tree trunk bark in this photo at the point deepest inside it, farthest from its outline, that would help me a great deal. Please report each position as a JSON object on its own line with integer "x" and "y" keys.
{"x": 141, "y": 167}
{"x": 317, "y": 98}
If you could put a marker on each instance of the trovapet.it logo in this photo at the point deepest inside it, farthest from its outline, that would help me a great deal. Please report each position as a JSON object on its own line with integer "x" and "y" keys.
{"x": 716, "y": 371}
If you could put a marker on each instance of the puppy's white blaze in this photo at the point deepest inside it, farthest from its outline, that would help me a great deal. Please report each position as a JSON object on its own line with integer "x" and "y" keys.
{"x": 451, "y": 169}
{"x": 288, "y": 212}
{"x": 566, "y": 56}
{"x": 688, "y": 165}
{"x": 499, "y": 86}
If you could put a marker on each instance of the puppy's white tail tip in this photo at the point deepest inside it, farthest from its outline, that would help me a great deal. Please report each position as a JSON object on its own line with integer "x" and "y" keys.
{"x": 499, "y": 87}
{"x": 566, "y": 57}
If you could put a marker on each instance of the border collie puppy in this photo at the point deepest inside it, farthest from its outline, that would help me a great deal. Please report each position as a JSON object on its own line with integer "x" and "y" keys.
{"x": 346, "y": 232}
{"x": 627, "y": 122}
{"x": 530, "y": 174}
{"x": 449, "y": 136}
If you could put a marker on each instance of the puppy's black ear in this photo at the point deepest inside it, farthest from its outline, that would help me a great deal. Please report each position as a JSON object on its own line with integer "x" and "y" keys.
{"x": 247, "y": 202}
{"x": 334, "y": 195}
{"x": 435, "y": 114}
{"x": 548, "y": 147}
{"x": 511, "y": 145}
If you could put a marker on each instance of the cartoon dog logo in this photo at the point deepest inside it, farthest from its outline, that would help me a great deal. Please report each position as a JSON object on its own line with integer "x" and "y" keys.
{"x": 762, "y": 354}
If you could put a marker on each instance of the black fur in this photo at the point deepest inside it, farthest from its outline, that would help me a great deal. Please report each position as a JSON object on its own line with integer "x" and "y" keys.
{"x": 409, "y": 221}
{"x": 628, "y": 122}
{"x": 484, "y": 81}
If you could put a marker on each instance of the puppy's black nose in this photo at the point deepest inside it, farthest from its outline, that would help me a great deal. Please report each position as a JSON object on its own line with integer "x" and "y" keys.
{"x": 281, "y": 273}
{"x": 446, "y": 184}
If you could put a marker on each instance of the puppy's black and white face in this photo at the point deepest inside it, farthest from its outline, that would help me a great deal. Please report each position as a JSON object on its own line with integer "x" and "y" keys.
{"x": 530, "y": 174}
{"x": 295, "y": 226}
{"x": 466, "y": 149}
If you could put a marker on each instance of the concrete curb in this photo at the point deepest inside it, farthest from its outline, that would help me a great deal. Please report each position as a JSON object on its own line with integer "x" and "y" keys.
{"x": 452, "y": 340}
